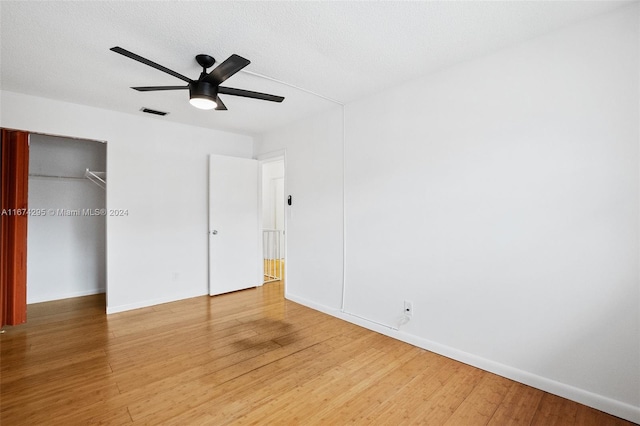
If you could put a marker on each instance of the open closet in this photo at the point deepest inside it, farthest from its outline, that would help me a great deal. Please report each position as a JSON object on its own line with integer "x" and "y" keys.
{"x": 66, "y": 244}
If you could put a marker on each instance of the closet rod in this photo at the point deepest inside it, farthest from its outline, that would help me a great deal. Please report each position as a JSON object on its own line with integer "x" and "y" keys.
{"x": 55, "y": 176}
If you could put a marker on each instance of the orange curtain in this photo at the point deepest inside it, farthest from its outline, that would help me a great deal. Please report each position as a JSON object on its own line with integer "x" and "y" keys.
{"x": 13, "y": 227}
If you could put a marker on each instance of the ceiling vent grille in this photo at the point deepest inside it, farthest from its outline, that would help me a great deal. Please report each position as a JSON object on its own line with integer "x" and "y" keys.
{"x": 153, "y": 111}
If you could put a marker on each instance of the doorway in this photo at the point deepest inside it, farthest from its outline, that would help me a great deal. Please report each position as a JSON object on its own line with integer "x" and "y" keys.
{"x": 273, "y": 219}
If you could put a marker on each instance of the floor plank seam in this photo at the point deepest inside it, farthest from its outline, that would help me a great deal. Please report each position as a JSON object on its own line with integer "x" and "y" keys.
{"x": 535, "y": 411}
{"x": 268, "y": 363}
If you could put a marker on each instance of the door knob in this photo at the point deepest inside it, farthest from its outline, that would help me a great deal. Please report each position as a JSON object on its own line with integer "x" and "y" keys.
{"x": 214, "y": 232}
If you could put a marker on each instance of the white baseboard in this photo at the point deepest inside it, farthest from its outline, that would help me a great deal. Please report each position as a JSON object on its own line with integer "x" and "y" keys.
{"x": 599, "y": 402}
{"x": 69, "y": 295}
{"x": 150, "y": 302}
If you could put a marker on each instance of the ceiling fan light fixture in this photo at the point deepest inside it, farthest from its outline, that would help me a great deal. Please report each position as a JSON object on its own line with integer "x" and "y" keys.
{"x": 203, "y": 95}
{"x": 203, "y": 103}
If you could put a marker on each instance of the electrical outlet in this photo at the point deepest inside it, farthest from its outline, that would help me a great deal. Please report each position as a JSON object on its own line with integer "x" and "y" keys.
{"x": 408, "y": 308}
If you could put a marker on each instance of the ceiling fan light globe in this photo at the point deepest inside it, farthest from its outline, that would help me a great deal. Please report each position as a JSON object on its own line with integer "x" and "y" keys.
{"x": 203, "y": 103}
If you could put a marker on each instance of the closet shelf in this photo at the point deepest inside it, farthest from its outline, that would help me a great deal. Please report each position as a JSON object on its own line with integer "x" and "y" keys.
{"x": 99, "y": 178}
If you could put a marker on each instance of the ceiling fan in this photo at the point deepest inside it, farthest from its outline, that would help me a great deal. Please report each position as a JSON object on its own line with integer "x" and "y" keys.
{"x": 203, "y": 92}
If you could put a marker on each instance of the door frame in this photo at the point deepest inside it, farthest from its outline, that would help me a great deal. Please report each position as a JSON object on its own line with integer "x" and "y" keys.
{"x": 270, "y": 157}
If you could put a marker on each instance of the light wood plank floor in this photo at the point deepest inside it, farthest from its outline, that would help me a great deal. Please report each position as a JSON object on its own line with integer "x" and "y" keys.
{"x": 248, "y": 357}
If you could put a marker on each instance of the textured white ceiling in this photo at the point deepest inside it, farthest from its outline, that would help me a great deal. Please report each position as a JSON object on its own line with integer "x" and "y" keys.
{"x": 341, "y": 50}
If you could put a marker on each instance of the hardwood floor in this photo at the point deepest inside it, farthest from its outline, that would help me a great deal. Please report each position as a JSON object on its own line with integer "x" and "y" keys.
{"x": 248, "y": 357}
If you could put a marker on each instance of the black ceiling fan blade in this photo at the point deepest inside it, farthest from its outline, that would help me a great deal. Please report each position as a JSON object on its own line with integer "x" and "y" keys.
{"x": 232, "y": 65}
{"x": 249, "y": 94}
{"x": 145, "y": 61}
{"x": 221, "y": 106}
{"x": 154, "y": 88}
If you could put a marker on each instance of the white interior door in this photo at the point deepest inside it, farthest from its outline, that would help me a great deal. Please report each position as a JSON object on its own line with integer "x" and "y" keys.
{"x": 234, "y": 250}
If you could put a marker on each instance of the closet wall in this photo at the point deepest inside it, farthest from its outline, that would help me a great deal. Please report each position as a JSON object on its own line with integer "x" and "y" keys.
{"x": 66, "y": 245}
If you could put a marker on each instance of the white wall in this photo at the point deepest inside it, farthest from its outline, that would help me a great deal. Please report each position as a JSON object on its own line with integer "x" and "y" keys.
{"x": 66, "y": 254}
{"x": 272, "y": 195}
{"x": 314, "y": 177}
{"x": 158, "y": 172}
{"x": 501, "y": 197}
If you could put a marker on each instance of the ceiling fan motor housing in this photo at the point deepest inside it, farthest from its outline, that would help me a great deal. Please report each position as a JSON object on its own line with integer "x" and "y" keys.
{"x": 203, "y": 89}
